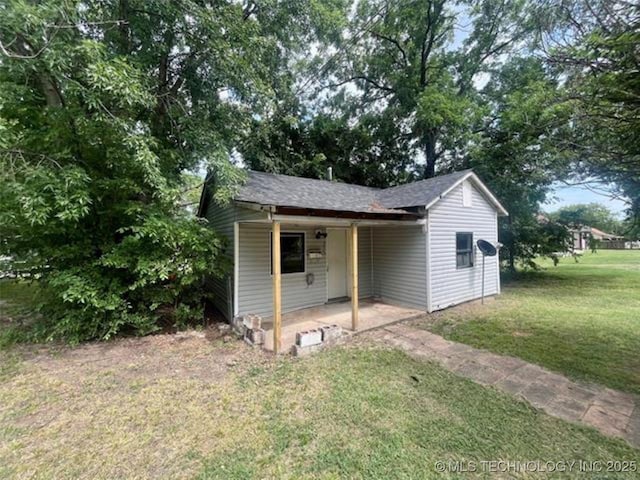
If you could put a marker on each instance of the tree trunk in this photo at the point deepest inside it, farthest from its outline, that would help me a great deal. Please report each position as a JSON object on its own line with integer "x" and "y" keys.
{"x": 50, "y": 91}
{"x": 123, "y": 27}
{"x": 46, "y": 81}
{"x": 430, "y": 155}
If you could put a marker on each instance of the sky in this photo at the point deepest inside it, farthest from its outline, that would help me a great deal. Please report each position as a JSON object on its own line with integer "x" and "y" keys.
{"x": 565, "y": 195}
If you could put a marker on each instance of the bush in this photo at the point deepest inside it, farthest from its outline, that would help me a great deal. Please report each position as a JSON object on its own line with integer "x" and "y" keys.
{"x": 153, "y": 277}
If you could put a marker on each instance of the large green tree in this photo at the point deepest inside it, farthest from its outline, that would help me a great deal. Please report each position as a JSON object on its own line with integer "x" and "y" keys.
{"x": 307, "y": 146}
{"x": 594, "y": 43}
{"x": 405, "y": 67}
{"x": 516, "y": 155}
{"x": 104, "y": 105}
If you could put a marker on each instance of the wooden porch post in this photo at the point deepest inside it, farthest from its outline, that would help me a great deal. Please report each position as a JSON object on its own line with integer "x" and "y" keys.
{"x": 277, "y": 294}
{"x": 354, "y": 277}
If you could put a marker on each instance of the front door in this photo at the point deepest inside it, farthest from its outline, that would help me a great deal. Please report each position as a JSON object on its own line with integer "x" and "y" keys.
{"x": 337, "y": 263}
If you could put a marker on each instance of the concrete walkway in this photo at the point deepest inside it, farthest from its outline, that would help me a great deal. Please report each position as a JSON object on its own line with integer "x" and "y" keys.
{"x": 612, "y": 412}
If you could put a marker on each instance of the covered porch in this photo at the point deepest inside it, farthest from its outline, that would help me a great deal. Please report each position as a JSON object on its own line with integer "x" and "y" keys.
{"x": 336, "y": 280}
{"x": 372, "y": 313}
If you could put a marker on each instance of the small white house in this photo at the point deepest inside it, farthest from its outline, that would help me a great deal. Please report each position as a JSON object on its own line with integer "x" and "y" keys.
{"x": 412, "y": 245}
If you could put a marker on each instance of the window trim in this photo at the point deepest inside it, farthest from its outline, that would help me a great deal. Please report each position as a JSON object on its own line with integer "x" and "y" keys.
{"x": 470, "y": 252}
{"x": 304, "y": 252}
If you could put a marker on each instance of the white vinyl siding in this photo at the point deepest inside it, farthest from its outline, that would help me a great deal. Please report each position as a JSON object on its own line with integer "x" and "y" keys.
{"x": 255, "y": 293}
{"x": 451, "y": 285}
{"x": 365, "y": 269}
{"x": 399, "y": 265}
{"x": 467, "y": 196}
{"x": 221, "y": 218}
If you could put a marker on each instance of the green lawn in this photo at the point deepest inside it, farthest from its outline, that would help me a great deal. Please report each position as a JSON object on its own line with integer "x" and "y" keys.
{"x": 581, "y": 319}
{"x": 17, "y": 300}
{"x": 18, "y": 295}
{"x": 353, "y": 412}
{"x": 196, "y": 406}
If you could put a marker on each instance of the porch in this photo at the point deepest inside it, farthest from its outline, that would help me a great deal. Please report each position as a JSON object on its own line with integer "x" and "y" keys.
{"x": 372, "y": 313}
{"x": 299, "y": 273}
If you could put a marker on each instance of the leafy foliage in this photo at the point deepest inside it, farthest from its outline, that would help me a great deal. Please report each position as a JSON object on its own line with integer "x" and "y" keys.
{"x": 516, "y": 156}
{"x": 599, "y": 55}
{"x": 412, "y": 75}
{"x": 364, "y": 155}
{"x": 104, "y": 109}
{"x": 592, "y": 215}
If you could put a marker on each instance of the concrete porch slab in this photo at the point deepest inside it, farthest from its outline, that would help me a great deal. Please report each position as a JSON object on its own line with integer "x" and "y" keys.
{"x": 373, "y": 314}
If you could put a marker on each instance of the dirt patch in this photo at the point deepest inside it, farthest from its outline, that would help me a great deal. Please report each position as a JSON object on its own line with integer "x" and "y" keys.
{"x": 204, "y": 355}
{"x": 157, "y": 404}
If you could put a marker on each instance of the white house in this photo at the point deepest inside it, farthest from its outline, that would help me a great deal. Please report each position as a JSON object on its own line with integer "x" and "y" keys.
{"x": 412, "y": 245}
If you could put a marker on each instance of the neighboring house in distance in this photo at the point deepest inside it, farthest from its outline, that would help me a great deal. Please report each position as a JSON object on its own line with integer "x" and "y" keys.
{"x": 580, "y": 237}
{"x": 604, "y": 236}
{"x": 415, "y": 243}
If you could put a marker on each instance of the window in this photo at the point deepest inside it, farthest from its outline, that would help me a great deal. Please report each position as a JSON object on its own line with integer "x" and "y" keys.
{"x": 464, "y": 250}
{"x": 291, "y": 253}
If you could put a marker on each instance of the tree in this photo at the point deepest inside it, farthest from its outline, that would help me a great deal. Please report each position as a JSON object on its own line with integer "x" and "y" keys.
{"x": 591, "y": 214}
{"x": 594, "y": 44}
{"x": 516, "y": 156}
{"x": 406, "y": 70}
{"x": 304, "y": 146}
{"x": 103, "y": 108}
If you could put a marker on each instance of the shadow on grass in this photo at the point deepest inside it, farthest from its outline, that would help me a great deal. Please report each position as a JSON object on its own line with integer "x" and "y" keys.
{"x": 547, "y": 278}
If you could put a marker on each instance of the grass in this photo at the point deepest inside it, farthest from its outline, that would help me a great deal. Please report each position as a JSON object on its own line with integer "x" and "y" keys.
{"x": 19, "y": 294}
{"x": 17, "y": 302}
{"x": 352, "y": 412}
{"x": 195, "y": 406}
{"x": 581, "y": 319}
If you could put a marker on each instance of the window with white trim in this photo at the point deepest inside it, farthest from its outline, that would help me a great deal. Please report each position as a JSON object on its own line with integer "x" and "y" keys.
{"x": 292, "y": 252}
{"x": 464, "y": 250}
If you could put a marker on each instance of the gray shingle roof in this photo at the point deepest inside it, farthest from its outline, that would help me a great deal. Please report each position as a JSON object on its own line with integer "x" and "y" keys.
{"x": 419, "y": 193}
{"x": 286, "y": 191}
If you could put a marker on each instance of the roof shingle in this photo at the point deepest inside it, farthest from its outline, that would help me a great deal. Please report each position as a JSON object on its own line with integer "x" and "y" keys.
{"x": 419, "y": 194}
{"x": 287, "y": 191}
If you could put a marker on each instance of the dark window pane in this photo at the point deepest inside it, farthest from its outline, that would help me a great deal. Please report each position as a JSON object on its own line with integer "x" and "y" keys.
{"x": 464, "y": 250}
{"x": 463, "y": 241}
{"x": 291, "y": 253}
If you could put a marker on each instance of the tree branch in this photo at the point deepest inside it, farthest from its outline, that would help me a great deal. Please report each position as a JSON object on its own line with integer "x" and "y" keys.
{"x": 394, "y": 42}
{"x": 364, "y": 78}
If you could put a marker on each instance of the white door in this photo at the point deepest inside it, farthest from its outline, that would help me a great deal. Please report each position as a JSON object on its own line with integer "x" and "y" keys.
{"x": 337, "y": 263}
